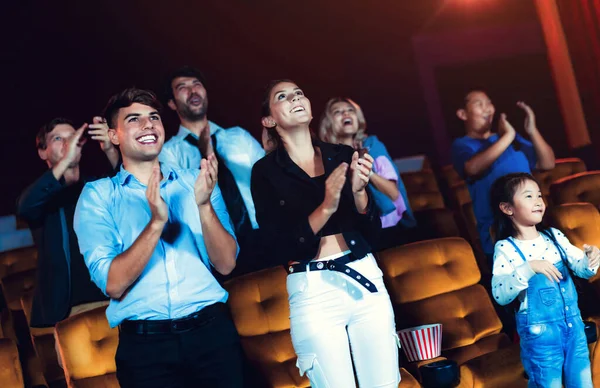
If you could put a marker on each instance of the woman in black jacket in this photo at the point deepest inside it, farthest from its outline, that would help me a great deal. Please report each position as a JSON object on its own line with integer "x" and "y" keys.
{"x": 312, "y": 206}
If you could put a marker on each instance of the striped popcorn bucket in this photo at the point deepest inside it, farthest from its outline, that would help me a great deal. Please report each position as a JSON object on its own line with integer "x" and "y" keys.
{"x": 422, "y": 342}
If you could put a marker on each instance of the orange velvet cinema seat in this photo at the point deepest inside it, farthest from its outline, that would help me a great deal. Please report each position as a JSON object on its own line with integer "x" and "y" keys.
{"x": 11, "y": 374}
{"x": 437, "y": 281}
{"x": 562, "y": 168}
{"x": 582, "y": 187}
{"x": 87, "y": 347}
{"x": 260, "y": 310}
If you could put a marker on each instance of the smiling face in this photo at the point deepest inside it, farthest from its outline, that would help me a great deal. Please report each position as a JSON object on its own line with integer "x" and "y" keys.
{"x": 139, "y": 132}
{"x": 527, "y": 207}
{"x": 478, "y": 112}
{"x": 344, "y": 119}
{"x": 288, "y": 107}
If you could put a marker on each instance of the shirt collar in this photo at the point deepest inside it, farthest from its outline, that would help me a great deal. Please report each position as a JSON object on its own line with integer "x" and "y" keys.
{"x": 183, "y": 131}
{"x": 124, "y": 176}
{"x": 329, "y": 154}
{"x": 327, "y": 150}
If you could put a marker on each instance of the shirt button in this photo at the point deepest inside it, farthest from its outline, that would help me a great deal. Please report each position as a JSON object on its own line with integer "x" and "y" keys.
{"x": 567, "y": 308}
{"x": 281, "y": 203}
{"x": 301, "y": 239}
{"x": 352, "y": 242}
{"x": 562, "y": 289}
{"x": 570, "y": 324}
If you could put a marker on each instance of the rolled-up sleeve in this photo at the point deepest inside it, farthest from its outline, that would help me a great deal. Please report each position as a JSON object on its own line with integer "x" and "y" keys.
{"x": 97, "y": 234}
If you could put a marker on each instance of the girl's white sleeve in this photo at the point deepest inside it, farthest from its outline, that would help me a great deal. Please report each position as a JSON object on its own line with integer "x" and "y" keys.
{"x": 578, "y": 260}
{"x": 510, "y": 274}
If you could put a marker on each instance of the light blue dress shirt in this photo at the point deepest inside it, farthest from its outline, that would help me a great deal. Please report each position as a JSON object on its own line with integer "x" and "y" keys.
{"x": 238, "y": 149}
{"x": 111, "y": 214}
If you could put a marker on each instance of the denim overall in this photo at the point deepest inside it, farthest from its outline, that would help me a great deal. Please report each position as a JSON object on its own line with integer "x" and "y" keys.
{"x": 553, "y": 341}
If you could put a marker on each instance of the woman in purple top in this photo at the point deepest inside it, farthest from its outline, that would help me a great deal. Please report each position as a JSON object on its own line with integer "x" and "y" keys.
{"x": 343, "y": 122}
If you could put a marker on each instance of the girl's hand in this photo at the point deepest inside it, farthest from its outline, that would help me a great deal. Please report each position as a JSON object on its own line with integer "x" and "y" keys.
{"x": 593, "y": 255}
{"x": 545, "y": 268}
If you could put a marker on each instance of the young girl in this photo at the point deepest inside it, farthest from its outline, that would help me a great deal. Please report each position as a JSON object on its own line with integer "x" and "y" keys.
{"x": 532, "y": 263}
{"x": 312, "y": 204}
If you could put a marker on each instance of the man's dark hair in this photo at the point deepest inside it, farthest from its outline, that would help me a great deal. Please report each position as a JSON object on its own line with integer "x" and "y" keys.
{"x": 40, "y": 138}
{"x": 467, "y": 93}
{"x": 185, "y": 71}
{"x": 127, "y": 98}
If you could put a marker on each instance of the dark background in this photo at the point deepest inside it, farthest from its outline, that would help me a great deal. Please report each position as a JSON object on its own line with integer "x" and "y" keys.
{"x": 65, "y": 58}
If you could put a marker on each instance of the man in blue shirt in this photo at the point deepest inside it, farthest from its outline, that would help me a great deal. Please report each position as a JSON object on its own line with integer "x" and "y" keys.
{"x": 235, "y": 149}
{"x": 481, "y": 156}
{"x": 150, "y": 237}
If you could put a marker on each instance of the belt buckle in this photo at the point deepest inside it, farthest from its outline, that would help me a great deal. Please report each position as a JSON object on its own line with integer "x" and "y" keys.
{"x": 331, "y": 265}
{"x": 180, "y": 325}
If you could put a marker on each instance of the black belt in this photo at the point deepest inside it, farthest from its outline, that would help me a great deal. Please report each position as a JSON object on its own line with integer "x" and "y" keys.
{"x": 337, "y": 265}
{"x": 166, "y": 326}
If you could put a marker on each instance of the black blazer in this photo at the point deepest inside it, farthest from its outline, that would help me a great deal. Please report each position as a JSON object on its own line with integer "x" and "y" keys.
{"x": 284, "y": 196}
{"x": 40, "y": 206}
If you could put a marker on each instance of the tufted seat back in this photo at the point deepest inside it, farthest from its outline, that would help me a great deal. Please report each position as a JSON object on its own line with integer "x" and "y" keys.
{"x": 562, "y": 168}
{"x": 17, "y": 274}
{"x": 582, "y": 187}
{"x": 430, "y": 200}
{"x": 11, "y": 373}
{"x": 420, "y": 181}
{"x": 450, "y": 175}
{"x": 87, "y": 347}
{"x": 260, "y": 310}
{"x": 436, "y": 281}
{"x": 17, "y": 260}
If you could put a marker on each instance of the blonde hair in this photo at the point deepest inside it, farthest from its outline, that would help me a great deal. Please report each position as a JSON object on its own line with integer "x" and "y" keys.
{"x": 326, "y": 132}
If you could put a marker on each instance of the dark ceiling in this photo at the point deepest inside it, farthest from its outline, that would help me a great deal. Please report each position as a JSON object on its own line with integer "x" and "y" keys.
{"x": 67, "y": 57}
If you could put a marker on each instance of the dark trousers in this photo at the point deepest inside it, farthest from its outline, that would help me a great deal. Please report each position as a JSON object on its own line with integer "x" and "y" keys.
{"x": 209, "y": 355}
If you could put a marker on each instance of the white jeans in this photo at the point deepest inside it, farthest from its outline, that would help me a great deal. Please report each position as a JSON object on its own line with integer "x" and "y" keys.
{"x": 335, "y": 321}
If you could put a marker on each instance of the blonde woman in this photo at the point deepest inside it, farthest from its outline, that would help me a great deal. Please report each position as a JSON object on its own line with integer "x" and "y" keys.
{"x": 344, "y": 122}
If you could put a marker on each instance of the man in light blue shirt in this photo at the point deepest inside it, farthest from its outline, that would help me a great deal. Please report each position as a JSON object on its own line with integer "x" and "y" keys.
{"x": 235, "y": 149}
{"x": 150, "y": 237}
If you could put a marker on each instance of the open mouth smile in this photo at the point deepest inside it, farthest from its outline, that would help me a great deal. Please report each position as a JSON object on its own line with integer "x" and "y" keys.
{"x": 297, "y": 109}
{"x": 147, "y": 139}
